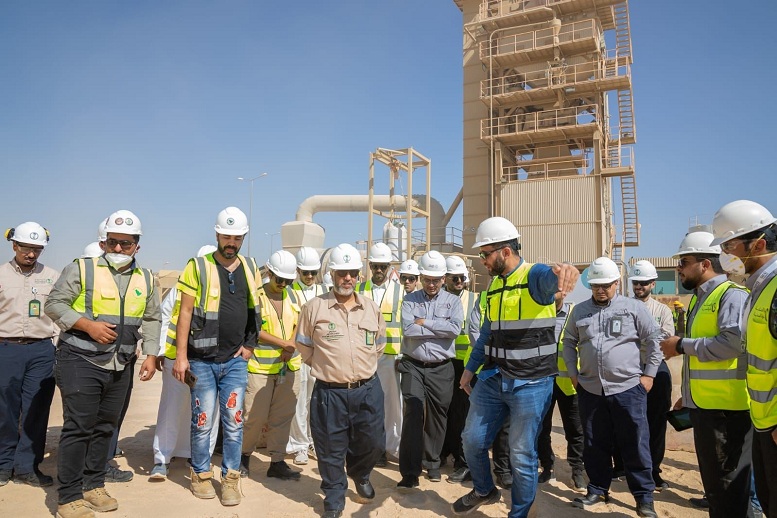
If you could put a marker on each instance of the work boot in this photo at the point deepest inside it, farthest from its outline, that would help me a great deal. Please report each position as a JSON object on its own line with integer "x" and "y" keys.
{"x": 75, "y": 509}
{"x": 282, "y": 471}
{"x": 646, "y": 509}
{"x": 230, "y": 488}
{"x": 202, "y": 484}
{"x": 245, "y": 460}
{"x": 99, "y": 500}
{"x": 114, "y": 474}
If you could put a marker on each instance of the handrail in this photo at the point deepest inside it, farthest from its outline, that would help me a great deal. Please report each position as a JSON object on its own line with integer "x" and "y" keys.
{"x": 544, "y": 171}
{"x": 540, "y": 38}
{"x": 492, "y": 9}
{"x": 540, "y": 121}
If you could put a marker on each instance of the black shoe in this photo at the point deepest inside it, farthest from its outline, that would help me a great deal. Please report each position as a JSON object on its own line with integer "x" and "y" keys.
{"x": 545, "y": 475}
{"x": 433, "y": 474}
{"x": 459, "y": 476}
{"x": 114, "y": 474}
{"x": 5, "y": 476}
{"x": 578, "y": 481}
{"x": 118, "y": 453}
{"x": 646, "y": 509}
{"x": 245, "y": 460}
{"x": 700, "y": 503}
{"x": 408, "y": 482}
{"x": 365, "y": 490}
{"x": 471, "y": 501}
{"x": 382, "y": 461}
{"x": 590, "y": 500}
{"x": 282, "y": 471}
{"x": 618, "y": 474}
{"x": 660, "y": 486}
{"x": 332, "y": 514}
{"x": 33, "y": 478}
{"x": 504, "y": 480}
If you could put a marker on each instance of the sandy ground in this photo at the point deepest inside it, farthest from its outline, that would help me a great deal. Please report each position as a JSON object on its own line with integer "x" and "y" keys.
{"x": 275, "y": 498}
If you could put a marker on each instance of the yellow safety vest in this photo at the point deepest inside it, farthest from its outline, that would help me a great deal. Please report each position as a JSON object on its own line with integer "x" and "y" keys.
{"x": 267, "y": 357}
{"x": 390, "y": 306}
{"x": 204, "y": 330}
{"x": 761, "y": 345}
{"x": 482, "y": 303}
{"x": 298, "y": 294}
{"x": 562, "y": 380}
{"x": 101, "y": 300}
{"x": 523, "y": 337}
{"x": 718, "y": 385}
{"x": 462, "y": 341}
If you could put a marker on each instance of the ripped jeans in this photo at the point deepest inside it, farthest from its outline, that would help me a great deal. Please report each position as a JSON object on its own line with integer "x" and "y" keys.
{"x": 227, "y": 382}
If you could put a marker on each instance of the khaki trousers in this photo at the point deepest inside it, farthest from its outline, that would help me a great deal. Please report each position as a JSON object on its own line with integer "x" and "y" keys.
{"x": 272, "y": 405}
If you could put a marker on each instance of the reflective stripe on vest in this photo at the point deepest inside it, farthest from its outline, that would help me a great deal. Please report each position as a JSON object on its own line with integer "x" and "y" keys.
{"x": 562, "y": 380}
{"x": 267, "y": 358}
{"x": 718, "y": 385}
{"x": 101, "y": 300}
{"x": 462, "y": 341}
{"x": 521, "y": 329}
{"x": 390, "y": 307}
{"x": 298, "y": 293}
{"x": 204, "y": 329}
{"x": 762, "y": 358}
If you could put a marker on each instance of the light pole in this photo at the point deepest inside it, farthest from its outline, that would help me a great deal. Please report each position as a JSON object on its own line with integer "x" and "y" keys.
{"x": 250, "y": 205}
{"x": 272, "y": 238}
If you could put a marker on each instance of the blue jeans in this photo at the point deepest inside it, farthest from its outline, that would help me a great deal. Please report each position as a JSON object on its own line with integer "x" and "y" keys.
{"x": 227, "y": 381}
{"x": 492, "y": 401}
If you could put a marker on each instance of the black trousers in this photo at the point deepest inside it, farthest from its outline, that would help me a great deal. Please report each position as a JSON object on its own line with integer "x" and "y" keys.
{"x": 26, "y": 391}
{"x": 92, "y": 399}
{"x": 426, "y": 394}
{"x": 349, "y": 436}
{"x": 723, "y": 440}
{"x": 573, "y": 431}
{"x": 659, "y": 401}
{"x": 457, "y": 416}
{"x": 114, "y": 446}
{"x": 765, "y": 471}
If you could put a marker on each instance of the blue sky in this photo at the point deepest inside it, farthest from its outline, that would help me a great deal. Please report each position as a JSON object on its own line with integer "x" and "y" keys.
{"x": 158, "y": 107}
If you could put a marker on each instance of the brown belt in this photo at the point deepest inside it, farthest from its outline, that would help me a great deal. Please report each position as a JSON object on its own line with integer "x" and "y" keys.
{"x": 350, "y": 385}
{"x": 21, "y": 341}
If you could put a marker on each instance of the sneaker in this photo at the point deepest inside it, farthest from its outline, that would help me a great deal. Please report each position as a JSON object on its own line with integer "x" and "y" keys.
{"x": 546, "y": 475}
{"x": 433, "y": 474}
{"x": 230, "y": 488}
{"x": 459, "y": 476}
{"x": 159, "y": 472}
{"x": 75, "y": 509}
{"x": 282, "y": 471}
{"x": 5, "y": 476}
{"x": 114, "y": 474}
{"x": 407, "y": 482}
{"x": 202, "y": 484}
{"x": 99, "y": 500}
{"x": 646, "y": 509}
{"x": 578, "y": 481}
{"x": 312, "y": 452}
{"x": 301, "y": 458}
{"x": 245, "y": 460}
{"x": 471, "y": 501}
{"x": 590, "y": 500}
{"x": 504, "y": 480}
{"x": 34, "y": 479}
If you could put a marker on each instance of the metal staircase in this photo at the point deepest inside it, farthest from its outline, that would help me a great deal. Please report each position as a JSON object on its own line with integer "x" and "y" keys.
{"x": 626, "y": 132}
{"x": 622, "y": 31}
{"x": 629, "y": 204}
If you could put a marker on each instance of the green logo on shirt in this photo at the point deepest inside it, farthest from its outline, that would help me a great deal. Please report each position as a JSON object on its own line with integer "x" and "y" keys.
{"x": 332, "y": 326}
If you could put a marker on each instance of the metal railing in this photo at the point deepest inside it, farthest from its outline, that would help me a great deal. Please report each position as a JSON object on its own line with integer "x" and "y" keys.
{"x": 565, "y": 166}
{"x": 492, "y": 9}
{"x": 541, "y": 38}
{"x": 577, "y": 116}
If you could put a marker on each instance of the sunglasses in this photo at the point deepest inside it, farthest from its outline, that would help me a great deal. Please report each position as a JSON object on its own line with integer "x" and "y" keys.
{"x": 282, "y": 281}
{"x": 307, "y": 273}
{"x": 457, "y": 278}
{"x": 125, "y": 244}
{"x": 374, "y": 266}
{"x": 231, "y": 279}
{"x": 345, "y": 273}
{"x": 603, "y": 287}
{"x": 641, "y": 283}
{"x": 408, "y": 278}
{"x": 485, "y": 255}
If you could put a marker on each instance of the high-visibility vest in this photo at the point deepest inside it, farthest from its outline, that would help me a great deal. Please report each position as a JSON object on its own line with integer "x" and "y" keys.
{"x": 267, "y": 358}
{"x": 761, "y": 338}
{"x": 718, "y": 385}
{"x": 101, "y": 300}
{"x": 523, "y": 337}
{"x": 562, "y": 380}
{"x": 390, "y": 307}
{"x": 298, "y": 293}
{"x": 204, "y": 329}
{"x": 482, "y": 300}
{"x": 468, "y": 300}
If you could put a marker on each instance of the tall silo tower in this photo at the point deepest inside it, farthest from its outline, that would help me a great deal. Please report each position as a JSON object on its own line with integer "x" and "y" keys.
{"x": 549, "y": 124}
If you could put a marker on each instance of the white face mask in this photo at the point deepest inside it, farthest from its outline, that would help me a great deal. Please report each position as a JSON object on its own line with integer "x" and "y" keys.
{"x": 118, "y": 260}
{"x": 732, "y": 264}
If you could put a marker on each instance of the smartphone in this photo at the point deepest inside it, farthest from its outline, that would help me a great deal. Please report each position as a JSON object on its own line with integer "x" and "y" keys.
{"x": 189, "y": 378}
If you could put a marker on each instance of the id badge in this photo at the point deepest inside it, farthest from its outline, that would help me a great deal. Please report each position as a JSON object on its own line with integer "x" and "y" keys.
{"x": 369, "y": 338}
{"x": 34, "y": 308}
{"x": 615, "y": 326}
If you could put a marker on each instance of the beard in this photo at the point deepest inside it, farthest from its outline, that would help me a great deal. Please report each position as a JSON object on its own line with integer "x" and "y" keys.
{"x": 498, "y": 268}
{"x": 229, "y": 251}
{"x": 344, "y": 292}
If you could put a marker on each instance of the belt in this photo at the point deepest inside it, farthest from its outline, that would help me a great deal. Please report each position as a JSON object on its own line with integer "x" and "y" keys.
{"x": 425, "y": 364}
{"x": 21, "y": 340}
{"x": 349, "y": 385}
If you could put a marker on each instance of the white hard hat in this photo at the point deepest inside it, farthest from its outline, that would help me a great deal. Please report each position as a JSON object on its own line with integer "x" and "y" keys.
{"x": 308, "y": 259}
{"x": 739, "y": 218}
{"x": 380, "y": 253}
{"x": 92, "y": 250}
{"x": 28, "y": 233}
{"x": 643, "y": 271}
{"x": 283, "y": 264}
{"x": 328, "y": 280}
{"x": 123, "y": 222}
{"x": 432, "y": 264}
{"x": 231, "y": 222}
{"x": 495, "y": 230}
{"x": 409, "y": 267}
{"x": 345, "y": 257}
{"x": 455, "y": 265}
{"x": 697, "y": 241}
{"x": 205, "y": 250}
{"x": 102, "y": 235}
{"x": 603, "y": 271}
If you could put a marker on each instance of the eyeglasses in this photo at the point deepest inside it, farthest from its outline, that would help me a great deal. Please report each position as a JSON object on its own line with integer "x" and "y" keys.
{"x": 345, "y": 273}
{"x": 457, "y": 278}
{"x": 686, "y": 262}
{"x": 730, "y": 246}
{"x": 308, "y": 273}
{"x": 408, "y": 278}
{"x": 378, "y": 266}
{"x": 641, "y": 283}
{"x": 125, "y": 244}
{"x": 603, "y": 287}
{"x": 431, "y": 280}
{"x": 231, "y": 279}
{"x": 26, "y": 250}
{"x": 485, "y": 255}
{"x": 281, "y": 280}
